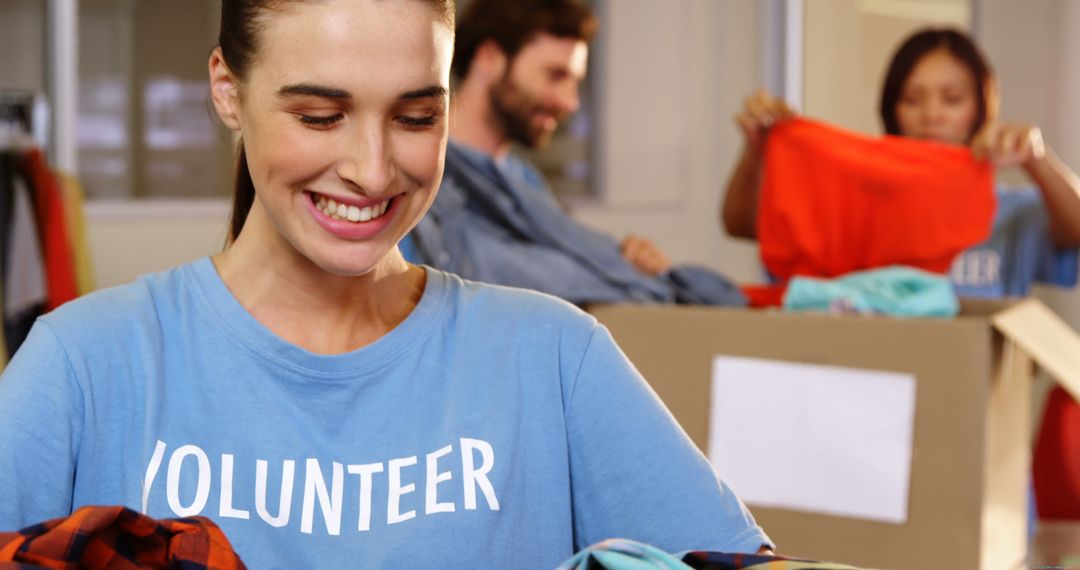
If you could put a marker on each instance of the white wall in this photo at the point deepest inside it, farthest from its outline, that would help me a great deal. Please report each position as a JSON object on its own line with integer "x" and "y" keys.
{"x": 127, "y": 240}
{"x": 675, "y": 73}
{"x": 848, "y": 45}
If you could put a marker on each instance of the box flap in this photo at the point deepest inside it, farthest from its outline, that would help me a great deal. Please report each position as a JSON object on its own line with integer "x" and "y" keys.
{"x": 1050, "y": 342}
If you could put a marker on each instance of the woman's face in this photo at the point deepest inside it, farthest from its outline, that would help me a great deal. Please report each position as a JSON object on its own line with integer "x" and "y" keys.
{"x": 938, "y": 100}
{"x": 343, "y": 118}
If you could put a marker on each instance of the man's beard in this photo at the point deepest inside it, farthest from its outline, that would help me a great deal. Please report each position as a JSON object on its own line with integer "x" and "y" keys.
{"x": 515, "y": 109}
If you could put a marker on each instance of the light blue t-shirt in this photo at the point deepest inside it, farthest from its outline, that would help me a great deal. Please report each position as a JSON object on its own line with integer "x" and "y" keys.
{"x": 1018, "y": 253}
{"x": 493, "y": 427}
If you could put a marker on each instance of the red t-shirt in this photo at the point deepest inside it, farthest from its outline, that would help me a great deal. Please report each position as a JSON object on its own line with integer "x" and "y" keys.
{"x": 833, "y": 202}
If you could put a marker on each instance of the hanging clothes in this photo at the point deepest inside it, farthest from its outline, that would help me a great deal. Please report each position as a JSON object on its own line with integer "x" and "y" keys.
{"x": 8, "y": 168}
{"x": 75, "y": 217}
{"x": 56, "y": 246}
{"x": 44, "y": 258}
{"x": 833, "y": 202}
{"x": 25, "y": 290}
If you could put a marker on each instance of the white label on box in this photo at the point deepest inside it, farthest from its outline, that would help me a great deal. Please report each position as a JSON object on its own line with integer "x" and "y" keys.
{"x": 813, "y": 438}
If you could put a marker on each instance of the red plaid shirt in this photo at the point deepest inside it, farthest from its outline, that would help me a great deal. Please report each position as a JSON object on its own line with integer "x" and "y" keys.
{"x": 117, "y": 538}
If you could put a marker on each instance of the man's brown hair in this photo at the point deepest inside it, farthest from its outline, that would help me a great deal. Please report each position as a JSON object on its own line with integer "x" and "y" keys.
{"x": 514, "y": 23}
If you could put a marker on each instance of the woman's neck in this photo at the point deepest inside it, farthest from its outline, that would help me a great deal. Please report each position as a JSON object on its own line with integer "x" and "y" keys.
{"x": 309, "y": 307}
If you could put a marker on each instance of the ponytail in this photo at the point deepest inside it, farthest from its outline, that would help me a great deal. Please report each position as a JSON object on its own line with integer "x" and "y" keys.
{"x": 243, "y": 195}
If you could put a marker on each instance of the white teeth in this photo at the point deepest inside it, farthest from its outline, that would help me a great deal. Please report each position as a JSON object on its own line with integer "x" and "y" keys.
{"x": 341, "y": 211}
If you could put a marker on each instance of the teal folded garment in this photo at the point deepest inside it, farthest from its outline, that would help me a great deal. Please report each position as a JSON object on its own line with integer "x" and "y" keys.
{"x": 622, "y": 554}
{"x": 897, "y": 291}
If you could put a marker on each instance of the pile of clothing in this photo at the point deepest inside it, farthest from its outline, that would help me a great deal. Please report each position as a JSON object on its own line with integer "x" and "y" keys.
{"x": 839, "y": 205}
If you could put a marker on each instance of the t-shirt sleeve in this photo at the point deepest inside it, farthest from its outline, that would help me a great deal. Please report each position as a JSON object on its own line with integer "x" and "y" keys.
{"x": 635, "y": 473}
{"x": 41, "y": 411}
{"x": 1036, "y": 257}
{"x": 1056, "y": 266}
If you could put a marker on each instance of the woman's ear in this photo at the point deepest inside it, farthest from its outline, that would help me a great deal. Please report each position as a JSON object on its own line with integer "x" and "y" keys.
{"x": 224, "y": 90}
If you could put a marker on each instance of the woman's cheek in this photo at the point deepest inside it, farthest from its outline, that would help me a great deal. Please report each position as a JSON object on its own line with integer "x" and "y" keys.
{"x": 295, "y": 155}
{"x": 420, "y": 155}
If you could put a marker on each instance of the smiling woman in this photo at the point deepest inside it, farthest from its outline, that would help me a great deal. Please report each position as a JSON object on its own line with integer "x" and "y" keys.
{"x": 317, "y": 120}
{"x": 326, "y": 403}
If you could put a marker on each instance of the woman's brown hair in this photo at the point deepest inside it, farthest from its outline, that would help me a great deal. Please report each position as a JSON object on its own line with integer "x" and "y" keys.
{"x": 957, "y": 44}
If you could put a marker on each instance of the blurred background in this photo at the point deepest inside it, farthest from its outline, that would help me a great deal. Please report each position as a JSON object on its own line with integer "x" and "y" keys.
{"x": 126, "y": 109}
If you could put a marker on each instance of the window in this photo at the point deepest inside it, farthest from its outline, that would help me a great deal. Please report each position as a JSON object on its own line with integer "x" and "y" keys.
{"x": 145, "y": 124}
{"x": 22, "y": 66}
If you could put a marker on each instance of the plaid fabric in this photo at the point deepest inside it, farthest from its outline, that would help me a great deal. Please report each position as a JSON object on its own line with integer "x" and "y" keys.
{"x": 724, "y": 561}
{"x": 117, "y": 538}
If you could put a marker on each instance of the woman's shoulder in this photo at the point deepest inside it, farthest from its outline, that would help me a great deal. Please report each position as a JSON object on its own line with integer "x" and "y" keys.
{"x": 123, "y": 306}
{"x": 511, "y": 305}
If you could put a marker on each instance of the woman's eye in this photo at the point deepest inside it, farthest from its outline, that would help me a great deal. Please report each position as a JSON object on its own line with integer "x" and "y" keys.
{"x": 317, "y": 121}
{"x": 417, "y": 122}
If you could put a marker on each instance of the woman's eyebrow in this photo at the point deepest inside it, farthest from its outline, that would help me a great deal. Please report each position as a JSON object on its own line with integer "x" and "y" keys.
{"x": 436, "y": 91}
{"x": 307, "y": 89}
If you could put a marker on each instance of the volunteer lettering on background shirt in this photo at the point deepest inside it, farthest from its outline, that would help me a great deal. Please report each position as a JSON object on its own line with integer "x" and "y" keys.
{"x": 1018, "y": 253}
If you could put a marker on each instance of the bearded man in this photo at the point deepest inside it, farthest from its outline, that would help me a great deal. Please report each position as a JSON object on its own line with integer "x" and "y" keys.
{"x": 517, "y": 68}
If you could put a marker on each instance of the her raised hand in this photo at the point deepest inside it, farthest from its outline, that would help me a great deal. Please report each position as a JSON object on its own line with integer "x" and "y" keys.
{"x": 1009, "y": 144}
{"x": 761, "y": 111}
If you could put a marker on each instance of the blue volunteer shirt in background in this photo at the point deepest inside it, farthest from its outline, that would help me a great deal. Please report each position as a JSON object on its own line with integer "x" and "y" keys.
{"x": 492, "y": 428}
{"x": 1018, "y": 253}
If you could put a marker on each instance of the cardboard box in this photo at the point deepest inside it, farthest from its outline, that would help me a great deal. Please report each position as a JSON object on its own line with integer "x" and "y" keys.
{"x": 970, "y": 466}
{"x": 1056, "y": 545}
